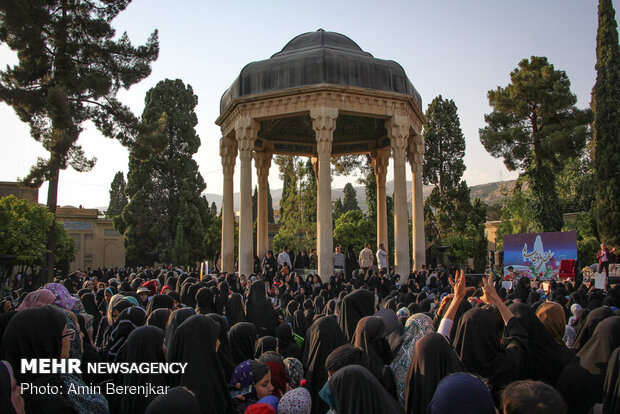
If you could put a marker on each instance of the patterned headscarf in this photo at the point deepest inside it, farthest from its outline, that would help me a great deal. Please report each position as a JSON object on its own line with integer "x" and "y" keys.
{"x": 295, "y": 371}
{"x": 63, "y": 299}
{"x": 37, "y": 299}
{"x": 297, "y": 401}
{"x": 416, "y": 327}
{"x": 403, "y": 312}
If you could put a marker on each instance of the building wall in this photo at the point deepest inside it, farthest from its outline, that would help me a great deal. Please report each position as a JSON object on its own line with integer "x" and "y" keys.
{"x": 96, "y": 241}
{"x": 29, "y": 194}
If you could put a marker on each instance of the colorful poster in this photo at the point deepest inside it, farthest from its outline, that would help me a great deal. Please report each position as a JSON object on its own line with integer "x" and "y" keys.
{"x": 538, "y": 255}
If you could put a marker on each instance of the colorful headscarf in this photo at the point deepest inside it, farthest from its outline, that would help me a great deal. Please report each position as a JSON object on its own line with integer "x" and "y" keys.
{"x": 37, "y": 299}
{"x": 416, "y": 327}
{"x": 295, "y": 371}
{"x": 271, "y": 400}
{"x": 403, "y": 313}
{"x": 132, "y": 300}
{"x": 297, "y": 401}
{"x": 63, "y": 299}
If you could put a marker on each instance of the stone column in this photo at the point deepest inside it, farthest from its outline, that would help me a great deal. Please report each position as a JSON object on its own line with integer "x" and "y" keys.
{"x": 324, "y": 124}
{"x": 228, "y": 152}
{"x": 245, "y": 131}
{"x": 398, "y": 131}
{"x": 380, "y": 163}
{"x": 416, "y": 158}
{"x": 262, "y": 160}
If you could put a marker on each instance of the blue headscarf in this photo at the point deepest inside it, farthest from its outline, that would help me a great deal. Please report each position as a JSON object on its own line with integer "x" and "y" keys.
{"x": 461, "y": 393}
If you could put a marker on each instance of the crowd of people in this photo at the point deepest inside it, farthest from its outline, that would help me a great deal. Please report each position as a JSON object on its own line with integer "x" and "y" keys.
{"x": 359, "y": 341}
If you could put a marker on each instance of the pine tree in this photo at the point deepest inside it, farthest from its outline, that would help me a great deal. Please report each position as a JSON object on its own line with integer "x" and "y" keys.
{"x": 350, "y": 198}
{"x": 166, "y": 219}
{"x": 606, "y": 126}
{"x": 69, "y": 71}
{"x": 118, "y": 198}
{"x": 535, "y": 126}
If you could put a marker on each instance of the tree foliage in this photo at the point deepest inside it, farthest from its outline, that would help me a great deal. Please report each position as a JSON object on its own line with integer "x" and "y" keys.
{"x": 337, "y": 209}
{"x": 166, "y": 219}
{"x": 350, "y": 198}
{"x": 118, "y": 198}
{"x": 297, "y": 206}
{"x": 70, "y": 68}
{"x": 444, "y": 146}
{"x": 606, "y": 126}
{"x": 24, "y": 229}
{"x": 353, "y": 228}
{"x": 535, "y": 127}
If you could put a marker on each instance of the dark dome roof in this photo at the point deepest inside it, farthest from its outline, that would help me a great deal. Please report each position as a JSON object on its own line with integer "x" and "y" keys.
{"x": 319, "y": 58}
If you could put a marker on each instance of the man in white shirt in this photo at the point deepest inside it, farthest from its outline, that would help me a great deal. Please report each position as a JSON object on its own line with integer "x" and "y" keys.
{"x": 382, "y": 258}
{"x": 338, "y": 258}
{"x": 284, "y": 258}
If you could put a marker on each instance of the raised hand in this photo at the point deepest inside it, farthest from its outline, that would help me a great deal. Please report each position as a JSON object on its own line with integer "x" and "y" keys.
{"x": 490, "y": 294}
{"x": 460, "y": 286}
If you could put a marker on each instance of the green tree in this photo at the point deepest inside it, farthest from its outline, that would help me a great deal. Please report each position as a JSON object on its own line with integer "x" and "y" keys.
{"x": 270, "y": 216}
{"x": 444, "y": 145}
{"x": 118, "y": 198}
{"x": 24, "y": 229}
{"x": 337, "y": 209}
{"x": 535, "y": 126}
{"x": 370, "y": 188}
{"x": 606, "y": 125}
{"x": 517, "y": 215}
{"x": 166, "y": 218}
{"x": 297, "y": 206}
{"x": 69, "y": 71}
{"x": 353, "y": 228}
{"x": 350, "y": 198}
{"x": 254, "y": 204}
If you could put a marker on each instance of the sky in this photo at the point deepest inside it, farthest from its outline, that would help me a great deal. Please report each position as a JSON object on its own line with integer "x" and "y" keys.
{"x": 454, "y": 48}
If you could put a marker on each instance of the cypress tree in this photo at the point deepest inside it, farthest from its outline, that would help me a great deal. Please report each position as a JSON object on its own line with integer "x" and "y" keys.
{"x": 118, "y": 198}
{"x": 350, "y": 198}
{"x": 606, "y": 126}
{"x": 166, "y": 219}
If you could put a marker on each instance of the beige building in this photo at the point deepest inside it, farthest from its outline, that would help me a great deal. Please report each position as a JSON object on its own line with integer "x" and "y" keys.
{"x": 8, "y": 188}
{"x": 97, "y": 243}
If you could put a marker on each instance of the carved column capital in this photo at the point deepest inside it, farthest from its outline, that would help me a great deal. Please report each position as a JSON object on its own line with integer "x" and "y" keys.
{"x": 262, "y": 161}
{"x": 324, "y": 124}
{"x": 381, "y": 160}
{"x": 246, "y": 130}
{"x": 416, "y": 153}
{"x": 398, "y": 131}
{"x": 228, "y": 152}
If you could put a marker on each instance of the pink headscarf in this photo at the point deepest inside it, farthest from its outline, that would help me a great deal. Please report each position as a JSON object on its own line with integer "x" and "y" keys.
{"x": 37, "y": 299}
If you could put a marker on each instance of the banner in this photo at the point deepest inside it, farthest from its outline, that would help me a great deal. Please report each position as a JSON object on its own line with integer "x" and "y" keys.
{"x": 538, "y": 255}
